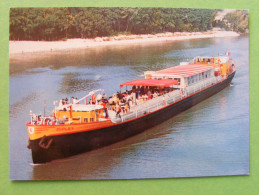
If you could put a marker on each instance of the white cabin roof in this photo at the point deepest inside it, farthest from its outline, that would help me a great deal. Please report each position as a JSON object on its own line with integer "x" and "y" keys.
{"x": 80, "y": 107}
{"x": 184, "y": 71}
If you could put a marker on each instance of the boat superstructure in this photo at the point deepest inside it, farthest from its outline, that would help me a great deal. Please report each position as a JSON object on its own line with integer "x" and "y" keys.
{"x": 79, "y": 126}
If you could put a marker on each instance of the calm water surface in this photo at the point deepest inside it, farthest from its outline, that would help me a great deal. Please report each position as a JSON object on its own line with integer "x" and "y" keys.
{"x": 210, "y": 139}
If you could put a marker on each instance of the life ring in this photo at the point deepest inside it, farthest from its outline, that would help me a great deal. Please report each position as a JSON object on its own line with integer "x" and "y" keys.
{"x": 31, "y": 130}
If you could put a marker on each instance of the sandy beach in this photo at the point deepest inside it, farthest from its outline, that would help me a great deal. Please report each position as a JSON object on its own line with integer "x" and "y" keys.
{"x": 16, "y": 47}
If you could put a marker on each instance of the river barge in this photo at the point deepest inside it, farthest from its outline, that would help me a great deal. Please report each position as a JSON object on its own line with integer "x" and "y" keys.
{"x": 80, "y": 126}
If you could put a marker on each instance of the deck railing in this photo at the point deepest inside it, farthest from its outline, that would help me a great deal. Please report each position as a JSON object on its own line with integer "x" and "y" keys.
{"x": 171, "y": 97}
{"x": 202, "y": 85}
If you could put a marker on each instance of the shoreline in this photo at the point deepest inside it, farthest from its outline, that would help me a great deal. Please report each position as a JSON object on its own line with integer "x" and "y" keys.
{"x": 18, "y": 47}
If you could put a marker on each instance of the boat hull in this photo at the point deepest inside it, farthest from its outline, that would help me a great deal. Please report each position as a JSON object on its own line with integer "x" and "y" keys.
{"x": 62, "y": 146}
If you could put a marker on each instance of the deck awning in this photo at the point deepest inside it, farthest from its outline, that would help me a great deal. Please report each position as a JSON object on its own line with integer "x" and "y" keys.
{"x": 151, "y": 83}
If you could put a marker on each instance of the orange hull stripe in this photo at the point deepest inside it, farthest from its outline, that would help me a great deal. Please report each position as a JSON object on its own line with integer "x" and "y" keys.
{"x": 52, "y": 130}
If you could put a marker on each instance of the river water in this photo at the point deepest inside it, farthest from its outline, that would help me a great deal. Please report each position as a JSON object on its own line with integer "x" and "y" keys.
{"x": 210, "y": 139}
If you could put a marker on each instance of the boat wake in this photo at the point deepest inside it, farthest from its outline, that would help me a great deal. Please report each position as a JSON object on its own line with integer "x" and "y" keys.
{"x": 97, "y": 77}
{"x": 32, "y": 164}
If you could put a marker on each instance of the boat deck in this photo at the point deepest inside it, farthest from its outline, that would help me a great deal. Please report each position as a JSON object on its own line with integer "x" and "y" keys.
{"x": 158, "y": 103}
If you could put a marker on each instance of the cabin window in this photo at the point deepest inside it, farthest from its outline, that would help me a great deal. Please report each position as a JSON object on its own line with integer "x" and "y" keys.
{"x": 85, "y": 120}
{"x": 91, "y": 119}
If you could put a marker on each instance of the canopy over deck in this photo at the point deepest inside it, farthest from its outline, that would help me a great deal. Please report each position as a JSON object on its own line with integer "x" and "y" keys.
{"x": 151, "y": 83}
{"x": 184, "y": 71}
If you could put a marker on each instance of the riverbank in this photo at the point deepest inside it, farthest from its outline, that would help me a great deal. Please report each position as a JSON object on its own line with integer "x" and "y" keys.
{"x": 16, "y": 47}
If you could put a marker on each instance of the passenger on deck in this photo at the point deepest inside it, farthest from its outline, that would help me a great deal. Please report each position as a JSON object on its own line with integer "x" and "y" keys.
{"x": 104, "y": 100}
{"x": 142, "y": 90}
{"x": 155, "y": 95}
{"x": 129, "y": 97}
{"x": 118, "y": 110}
{"x": 93, "y": 99}
{"x": 126, "y": 108}
{"x": 104, "y": 96}
{"x": 60, "y": 103}
{"x": 116, "y": 100}
{"x": 119, "y": 95}
{"x": 134, "y": 96}
{"x": 145, "y": 97}
{"x": 137, "y": 92}
{"x": 149, "y": 94}
{"x": 74, "y": 100}
{"x": 130, "y": 103}
{"x": 99, "y": 97}
{"x": 113, "y": 106}
{"x": 141, "y": 99}
{"x": 146, "y": 90}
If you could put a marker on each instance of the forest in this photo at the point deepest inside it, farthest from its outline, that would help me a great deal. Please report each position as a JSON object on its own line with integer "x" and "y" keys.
{"x": 49, "y": 24}
{"x": 236, "y": 21}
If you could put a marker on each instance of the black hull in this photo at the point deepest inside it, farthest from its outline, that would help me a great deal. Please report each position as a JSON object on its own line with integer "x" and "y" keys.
{"x": 71, "y": 144}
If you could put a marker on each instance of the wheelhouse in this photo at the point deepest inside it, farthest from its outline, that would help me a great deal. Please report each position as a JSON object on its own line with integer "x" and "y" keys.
{"x": 79, "y": 113}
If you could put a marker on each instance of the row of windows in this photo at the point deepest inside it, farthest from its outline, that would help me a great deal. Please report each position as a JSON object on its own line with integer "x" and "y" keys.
{"x": 198, "y": 77}
{"x": 86, "y": 119}
{"x": 176, "y": 79}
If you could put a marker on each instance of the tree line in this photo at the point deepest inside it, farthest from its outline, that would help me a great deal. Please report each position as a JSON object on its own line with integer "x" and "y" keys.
{"x": 236, "y": 21}
{"x": 51, "y": 24}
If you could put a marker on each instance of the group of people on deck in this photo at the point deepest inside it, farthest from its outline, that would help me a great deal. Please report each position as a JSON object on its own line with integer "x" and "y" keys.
{"x": 66, "y": 101}
{"x": 121, "y": 103}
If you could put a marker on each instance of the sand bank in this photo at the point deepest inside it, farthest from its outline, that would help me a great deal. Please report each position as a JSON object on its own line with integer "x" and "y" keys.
{"x": 16, "y": 47}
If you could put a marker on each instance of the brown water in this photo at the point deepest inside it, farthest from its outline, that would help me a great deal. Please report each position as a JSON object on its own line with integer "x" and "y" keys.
{"x": 210, "y": 139}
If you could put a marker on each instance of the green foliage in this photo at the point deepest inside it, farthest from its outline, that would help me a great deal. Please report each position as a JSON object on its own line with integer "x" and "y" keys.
{"x": 237, "y": 21}
{"x": 62, "y": 23}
